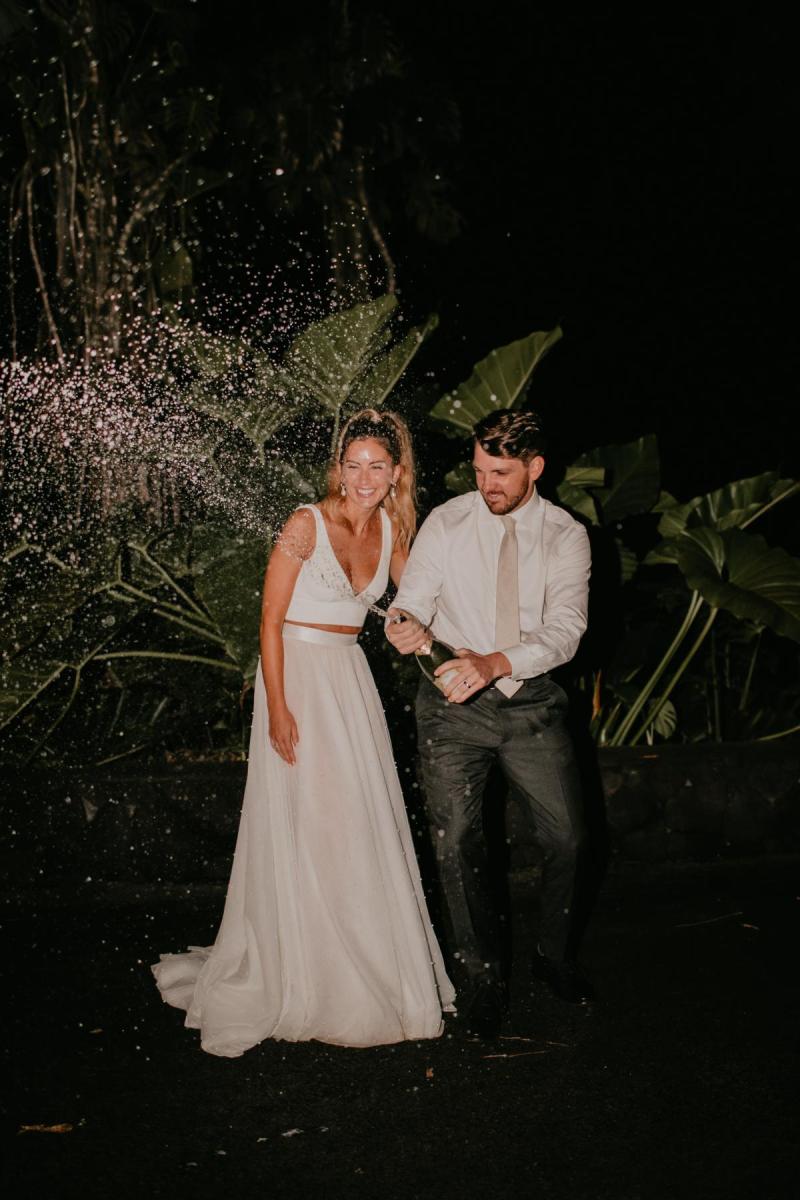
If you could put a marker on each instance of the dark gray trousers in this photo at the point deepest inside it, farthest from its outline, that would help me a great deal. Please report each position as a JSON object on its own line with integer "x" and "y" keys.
{"x": 458, "y": 743}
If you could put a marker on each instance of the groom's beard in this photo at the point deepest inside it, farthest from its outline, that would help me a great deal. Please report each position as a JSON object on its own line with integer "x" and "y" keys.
{"x": 499, "y": 503}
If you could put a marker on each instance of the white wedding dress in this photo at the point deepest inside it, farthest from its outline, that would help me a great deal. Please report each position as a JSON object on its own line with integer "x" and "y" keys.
{"x": 325, "y": 932}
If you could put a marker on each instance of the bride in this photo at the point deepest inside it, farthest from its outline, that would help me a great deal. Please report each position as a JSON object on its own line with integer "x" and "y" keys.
{"x": 325, "y": 932}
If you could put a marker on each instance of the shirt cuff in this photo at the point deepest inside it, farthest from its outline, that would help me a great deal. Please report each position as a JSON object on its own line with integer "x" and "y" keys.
{"x": 410, "y": 613}
{"x": 520, "y": 659}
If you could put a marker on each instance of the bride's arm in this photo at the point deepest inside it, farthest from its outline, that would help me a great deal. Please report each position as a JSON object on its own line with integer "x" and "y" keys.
{"x": 411, "y": 633}
{"x": 294, "y": 545}
{"x": 397, "y": 563}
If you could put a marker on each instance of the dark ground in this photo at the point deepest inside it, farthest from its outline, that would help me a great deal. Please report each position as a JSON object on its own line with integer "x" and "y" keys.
{"x": 682, "y": 1082}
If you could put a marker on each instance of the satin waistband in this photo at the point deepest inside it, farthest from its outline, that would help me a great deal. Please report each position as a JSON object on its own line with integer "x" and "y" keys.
{"x": 320, "y": 637}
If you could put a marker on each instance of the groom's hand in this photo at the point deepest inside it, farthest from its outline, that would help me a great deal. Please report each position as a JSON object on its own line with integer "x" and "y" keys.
{"x": 406, "y": 634}
{"x": 470, "y": 672}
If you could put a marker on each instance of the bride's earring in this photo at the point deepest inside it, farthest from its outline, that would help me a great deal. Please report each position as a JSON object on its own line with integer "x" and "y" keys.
{"x": 342, "y": 490}
{"x": 393, "y": 492}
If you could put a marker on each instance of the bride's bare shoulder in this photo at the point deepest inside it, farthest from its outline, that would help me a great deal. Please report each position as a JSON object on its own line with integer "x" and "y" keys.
{"x": 299, "y": 535}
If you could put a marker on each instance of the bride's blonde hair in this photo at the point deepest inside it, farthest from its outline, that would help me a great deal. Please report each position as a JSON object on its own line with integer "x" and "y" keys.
{"x": 392, "y": 433}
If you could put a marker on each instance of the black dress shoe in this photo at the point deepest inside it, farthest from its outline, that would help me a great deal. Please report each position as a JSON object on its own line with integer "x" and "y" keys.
{"x": 565, "y": 979}
{"x": 485, "y": 1011}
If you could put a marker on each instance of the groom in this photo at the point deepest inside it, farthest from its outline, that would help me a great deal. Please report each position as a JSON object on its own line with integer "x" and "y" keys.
{"x": 501, "y": 575}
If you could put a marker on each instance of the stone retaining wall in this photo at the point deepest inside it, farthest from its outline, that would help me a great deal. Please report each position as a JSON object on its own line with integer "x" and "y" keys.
{"x": 691, "y": 802}
{"x": 179, "y": 824}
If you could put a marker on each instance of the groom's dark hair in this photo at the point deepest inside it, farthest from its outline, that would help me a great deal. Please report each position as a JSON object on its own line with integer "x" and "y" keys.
{"x": 508, "y": 434}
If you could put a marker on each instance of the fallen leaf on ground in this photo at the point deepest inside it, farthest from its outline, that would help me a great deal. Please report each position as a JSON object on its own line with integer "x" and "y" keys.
{"x": 64, "y": 1127}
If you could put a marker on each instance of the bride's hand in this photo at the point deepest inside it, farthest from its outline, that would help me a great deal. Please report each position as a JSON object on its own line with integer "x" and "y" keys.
{"x": 283, "y": 735}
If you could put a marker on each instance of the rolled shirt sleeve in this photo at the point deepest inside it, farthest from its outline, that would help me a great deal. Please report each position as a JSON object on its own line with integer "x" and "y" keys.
{"x": 423, "y": 575}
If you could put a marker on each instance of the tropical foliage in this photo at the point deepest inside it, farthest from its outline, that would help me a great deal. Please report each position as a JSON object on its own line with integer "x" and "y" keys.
{"x": 128, "y": 124}
{"x": 131, "y": 633}
{"x": 698, "y": 557}
{"x": 154, "y": 626}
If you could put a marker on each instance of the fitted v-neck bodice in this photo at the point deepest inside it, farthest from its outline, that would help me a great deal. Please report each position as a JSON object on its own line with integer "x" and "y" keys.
{"x": 323, "y": 595}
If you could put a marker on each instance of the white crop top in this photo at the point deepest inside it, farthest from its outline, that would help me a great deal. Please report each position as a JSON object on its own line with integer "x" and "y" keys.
{"x": 323, "y": 594}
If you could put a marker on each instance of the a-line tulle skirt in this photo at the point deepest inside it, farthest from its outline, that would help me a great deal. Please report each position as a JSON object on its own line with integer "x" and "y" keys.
{"x": 325, "y": 932}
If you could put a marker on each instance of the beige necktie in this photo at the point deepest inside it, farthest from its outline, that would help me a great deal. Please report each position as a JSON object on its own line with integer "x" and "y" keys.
{"x": 506, "y": 625}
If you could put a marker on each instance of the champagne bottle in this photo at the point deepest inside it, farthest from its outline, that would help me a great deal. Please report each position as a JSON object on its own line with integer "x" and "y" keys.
{"x": 431, "y": 656}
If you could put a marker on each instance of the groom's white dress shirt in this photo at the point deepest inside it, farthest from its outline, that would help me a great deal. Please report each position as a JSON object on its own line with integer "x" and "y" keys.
{"x": 450, "y": 580}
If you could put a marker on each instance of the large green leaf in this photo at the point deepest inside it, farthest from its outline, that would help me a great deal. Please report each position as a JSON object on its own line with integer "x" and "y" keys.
{"x": 461, "y": 479}
{"x": 729, "y": 507}
{"x": 579, "y": 475}
{"x": 740, "y": 572}
{"x": 254, "y": 397}
{"x": 633, "y": 473}
{"x": 210, "y": 354}
{"x": 228, "y": 572}
{"x": 170, "y": 548}
{"x": 575, "y": 490}
{"x": 666, "y": 721}
{"x": 373, "y": 389}
{"x": 330, "y": 358}
{"x": 67, "y": 645}
{"x": 40, "y": 588}
{"x": 499, "y": 381}
{"x": 236, "y": 384}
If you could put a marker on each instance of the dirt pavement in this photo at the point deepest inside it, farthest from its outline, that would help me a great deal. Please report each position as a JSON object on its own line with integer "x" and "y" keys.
{"x": 681, "y": 1082}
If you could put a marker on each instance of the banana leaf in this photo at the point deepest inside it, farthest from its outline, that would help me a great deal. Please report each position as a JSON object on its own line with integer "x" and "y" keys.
{"x": 740, "y": 572}
{"x": 499, "y": 381}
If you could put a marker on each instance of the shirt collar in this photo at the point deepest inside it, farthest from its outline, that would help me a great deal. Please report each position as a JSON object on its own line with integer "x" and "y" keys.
{"x": 524, "y": 517}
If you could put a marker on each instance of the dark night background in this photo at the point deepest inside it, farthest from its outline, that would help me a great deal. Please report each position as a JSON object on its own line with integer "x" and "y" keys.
{"x": 630, "y": 175}
{"x": 625, "y": 172}
{"x": 626, "y": 175}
